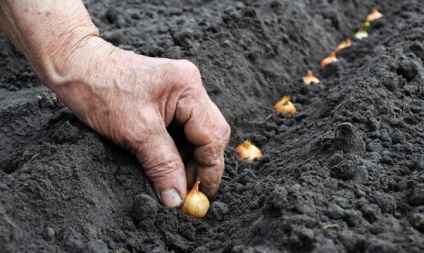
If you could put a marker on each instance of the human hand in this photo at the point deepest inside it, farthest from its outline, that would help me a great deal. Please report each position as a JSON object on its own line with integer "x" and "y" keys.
{"x": 131, "y": 99}
{"x": 128, "y": 98}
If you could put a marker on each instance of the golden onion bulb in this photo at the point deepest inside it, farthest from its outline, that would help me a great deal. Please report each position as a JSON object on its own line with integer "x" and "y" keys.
{"x": 285, "y": 106}
{"x": 310, "y": 78}
{"x": 331, "y": 58}
{"x": 375, "y": 14}
{"x": 196, "y": 204}
{"x": 344, "y": 44}
{"x": 361, "y": 34}
{"x": 248, "y": 151}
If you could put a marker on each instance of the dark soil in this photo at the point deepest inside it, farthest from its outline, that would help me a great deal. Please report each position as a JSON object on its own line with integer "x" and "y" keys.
{"x": 344, "y": 174}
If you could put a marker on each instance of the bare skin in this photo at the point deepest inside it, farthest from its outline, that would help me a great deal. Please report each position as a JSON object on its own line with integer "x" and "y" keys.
{"x": 126, "y": 97}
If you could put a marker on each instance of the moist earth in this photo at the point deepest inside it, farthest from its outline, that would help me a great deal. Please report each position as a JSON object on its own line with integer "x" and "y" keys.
{"x": 343, "y": 174}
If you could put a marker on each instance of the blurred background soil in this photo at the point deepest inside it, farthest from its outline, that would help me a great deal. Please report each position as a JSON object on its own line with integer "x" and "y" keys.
{"x": 344, "y": 174}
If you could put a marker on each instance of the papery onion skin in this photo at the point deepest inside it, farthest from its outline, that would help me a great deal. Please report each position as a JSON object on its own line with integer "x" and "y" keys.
{"x": 248, "y": 151}
{"x": 331, "y": 58}
{"x": 310, "y": 78}
{"x": 375, "y": 14}
{"x": 361, "y": 34}
{"x": 344, "y": 44}
{"x": 196, "y": 204}
{"x": 285, "y": 106}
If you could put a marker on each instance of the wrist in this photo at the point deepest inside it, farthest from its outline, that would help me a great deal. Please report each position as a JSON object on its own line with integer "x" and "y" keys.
{"x": 51, "y": 58}
{"x": 79, "y": 74}
{"x": 46, "y": 31}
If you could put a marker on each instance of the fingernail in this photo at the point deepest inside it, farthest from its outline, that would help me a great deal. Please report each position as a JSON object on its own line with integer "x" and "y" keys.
{"x": 171, "y": 198}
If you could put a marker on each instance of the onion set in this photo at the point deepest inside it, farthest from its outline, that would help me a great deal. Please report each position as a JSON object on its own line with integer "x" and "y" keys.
{"x": 196, "y": 204}
{"x": 375, "y": 14}
{"x": 361, "y": 34}
{"x": 248, "y": 151}
{"x": 285, "y": 106}
{"x": 310, "y": 78}
{"x": 331, "y": 58}
{"x": 344, "y": 44}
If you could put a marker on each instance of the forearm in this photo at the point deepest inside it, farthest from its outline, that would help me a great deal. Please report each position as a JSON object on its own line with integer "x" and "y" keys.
{"x": 47, "y": 32}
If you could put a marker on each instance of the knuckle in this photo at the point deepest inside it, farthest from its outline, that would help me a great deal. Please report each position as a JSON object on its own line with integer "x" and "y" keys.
{"x": 161, "y": 170}
{"x": 209, "y": 155}
{"x": 223, "y": 134}
{"x": 189, "y": 66}
{"x": 227, "y": 132}
{"x": 190, "y": 72}
{"x": 211, "y": 183}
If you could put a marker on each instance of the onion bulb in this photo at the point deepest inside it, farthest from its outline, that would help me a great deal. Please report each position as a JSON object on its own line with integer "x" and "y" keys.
{"x": 196, "y": 204}
{"x": 248, "y": 151}
{"x": 331, "y": 58}
{"x": 285, "y": 106}
{"x": 310, "y": 78}
{"x": 375, "y": 14}
{"x": 344, "y": 44}
{"x": 361, "y": 34}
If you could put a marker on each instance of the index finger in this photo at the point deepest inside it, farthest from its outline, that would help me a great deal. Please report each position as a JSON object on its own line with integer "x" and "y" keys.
{"x": 206, "y": 128}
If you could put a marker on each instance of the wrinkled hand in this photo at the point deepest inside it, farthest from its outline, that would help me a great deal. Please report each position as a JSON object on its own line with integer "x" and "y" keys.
{"x": 131, "y": 99}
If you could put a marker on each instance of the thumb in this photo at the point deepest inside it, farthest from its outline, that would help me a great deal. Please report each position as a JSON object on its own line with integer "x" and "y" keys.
{"x": 163, "y": 165}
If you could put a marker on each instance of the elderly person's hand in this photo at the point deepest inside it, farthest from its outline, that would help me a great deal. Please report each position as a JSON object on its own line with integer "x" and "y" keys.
{"x": 129, "y": 98}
